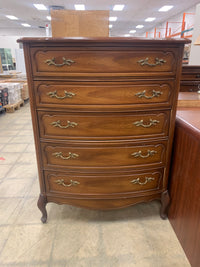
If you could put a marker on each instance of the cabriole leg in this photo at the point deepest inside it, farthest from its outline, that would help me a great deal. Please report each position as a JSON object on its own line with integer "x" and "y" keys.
{"x": 42, "y": 201}
{"x": 165, "y": 200}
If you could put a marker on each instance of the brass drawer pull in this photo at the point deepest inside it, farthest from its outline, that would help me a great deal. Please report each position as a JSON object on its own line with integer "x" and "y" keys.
{"x": 67, "y": 62}
{"x": 139, "y": 154}
{"x": 157, "y": 62}
{"x": 60, "y": 155}
{"x": 151, "y": 123}
{"x": 62, "y": 182}
{"x": 147, "y": 179}
{"x": 154, "y": 94}
{"x": 69, "y": 124}
{"x": 67, "y": 95}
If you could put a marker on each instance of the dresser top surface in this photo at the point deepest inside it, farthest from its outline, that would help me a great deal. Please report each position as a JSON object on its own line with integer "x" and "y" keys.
{"x": 189, "y": 118}
{"x": 106, "y": 40}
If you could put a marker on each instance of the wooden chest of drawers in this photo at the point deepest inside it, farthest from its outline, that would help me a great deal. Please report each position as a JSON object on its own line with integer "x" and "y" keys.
{"x": 103, "y": 114}
{"x": 190, "y": 78}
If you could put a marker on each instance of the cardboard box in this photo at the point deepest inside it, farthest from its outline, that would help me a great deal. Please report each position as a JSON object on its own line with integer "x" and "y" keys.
{"x": 24, "y": 91}
{"x": 75, "y": 23}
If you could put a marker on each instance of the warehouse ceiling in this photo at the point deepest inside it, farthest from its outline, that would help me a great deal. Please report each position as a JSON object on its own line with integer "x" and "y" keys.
{"x": 134, "y": 13}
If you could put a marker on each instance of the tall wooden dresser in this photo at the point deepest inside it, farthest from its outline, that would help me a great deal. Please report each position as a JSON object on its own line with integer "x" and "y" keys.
{"x": 103, "y": 112}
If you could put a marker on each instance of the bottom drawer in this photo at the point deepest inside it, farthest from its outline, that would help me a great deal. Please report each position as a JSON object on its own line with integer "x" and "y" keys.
{"x": 142, "y": 181}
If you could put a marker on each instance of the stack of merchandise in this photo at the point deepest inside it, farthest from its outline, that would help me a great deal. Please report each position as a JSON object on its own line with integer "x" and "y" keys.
{"x": 14, "y": 92}
{"x": 24, "y": 91}
{"x": 3, "y": 96}
{"x": 18, "y": 78}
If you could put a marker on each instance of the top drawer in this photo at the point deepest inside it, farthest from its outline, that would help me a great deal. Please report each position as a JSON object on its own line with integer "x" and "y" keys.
{"x": 65, "y": 62}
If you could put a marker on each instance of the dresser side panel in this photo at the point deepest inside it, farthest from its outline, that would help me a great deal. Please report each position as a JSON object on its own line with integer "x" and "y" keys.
{"x": 35, "y": 123}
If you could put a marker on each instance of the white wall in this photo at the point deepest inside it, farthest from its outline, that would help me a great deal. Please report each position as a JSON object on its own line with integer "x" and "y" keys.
{"x": 195, "y": 49}
{"x": 26, "y": 32}
{"x": 8, "y": 38}
{"x": 9, "y": 42}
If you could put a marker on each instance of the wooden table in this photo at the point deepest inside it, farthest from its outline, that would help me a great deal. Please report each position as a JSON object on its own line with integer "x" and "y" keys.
{"x": 184, "y": 212}
{"x": 189, "y": 100}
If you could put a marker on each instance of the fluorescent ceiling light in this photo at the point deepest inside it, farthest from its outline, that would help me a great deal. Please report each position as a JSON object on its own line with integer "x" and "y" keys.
{"x": 140, "y": 26}
{"x": 112, "y": 18}
{"x": 165, "y": 8}
{"x": 110, "y": 26}
{"x": 127, "y": 35}
{"x": 118, "y": 7}
{"x": 132, "y": 31}
{"x": 40, "y": 6}
{"x": 49, "y": 17}
{"x": 79, "y": 7}
{"x": 150, "y": 19}
{"x": 26, "y": 25}
{"x": 11, "y": 17}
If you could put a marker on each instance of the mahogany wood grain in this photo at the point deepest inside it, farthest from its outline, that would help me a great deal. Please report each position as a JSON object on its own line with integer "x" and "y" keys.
{"x": 104, "y": 76}
{"x": 109, "y": 93}
{"x": 140, "y": 182}
{"x": 191, "y": 119}
{"x": 104, "y": 157}
{"x": 102, "y": 204}
{"x": 90, "y": 63}
{"x": 103, "y": 41}
{"x": 184, "y": 212}
{"x": 26, "y": 49}
{"x": 108, "y": 125}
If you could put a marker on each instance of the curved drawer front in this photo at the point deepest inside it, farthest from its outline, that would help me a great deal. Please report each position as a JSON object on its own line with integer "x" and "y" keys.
{"x": 106, "y": 184}
{"x": 147, "y": 93}
{"x": 67, "y": 62}
{"x": 104, "y": 156}
{"x": 65, "y": 126}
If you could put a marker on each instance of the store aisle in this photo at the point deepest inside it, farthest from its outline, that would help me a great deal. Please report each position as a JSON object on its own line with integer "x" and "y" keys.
{"x": 73, "y": 237}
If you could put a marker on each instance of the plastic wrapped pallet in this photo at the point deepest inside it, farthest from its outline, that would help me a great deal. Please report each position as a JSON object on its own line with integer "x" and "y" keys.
{"x": 3, "y": 96}
{"x": 14, "y": 92}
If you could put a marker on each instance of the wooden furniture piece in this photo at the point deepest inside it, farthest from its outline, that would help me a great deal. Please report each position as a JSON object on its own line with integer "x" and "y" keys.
{"x": 184, "y": 212}
{"x": 103, "y": 113}
{"x": 190, "y": 78}
{"x": 189, "y": 99}
{"x": 78, "y": 23}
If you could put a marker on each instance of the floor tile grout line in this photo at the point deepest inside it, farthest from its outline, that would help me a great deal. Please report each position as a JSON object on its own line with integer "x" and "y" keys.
{"x": 13, "y": 165}
{"x": 18, "y": 197}
{"x": 16, "y": 178}
{"x": 28, "y": 191}
{"x": 23, "y": 224}
{"x": 52, "y": 246}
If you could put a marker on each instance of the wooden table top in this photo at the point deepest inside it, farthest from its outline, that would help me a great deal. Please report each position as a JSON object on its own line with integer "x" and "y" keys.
{"x": 189, "y": 99}
{"x": 190, "y": 116}
{"x": 188, "y": 112}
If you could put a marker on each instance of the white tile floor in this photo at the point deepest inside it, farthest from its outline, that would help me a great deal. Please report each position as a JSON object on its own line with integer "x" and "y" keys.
{"x": 73, "y": 237}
